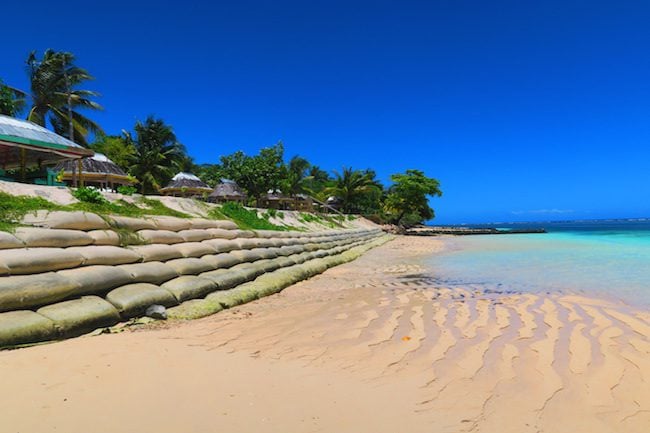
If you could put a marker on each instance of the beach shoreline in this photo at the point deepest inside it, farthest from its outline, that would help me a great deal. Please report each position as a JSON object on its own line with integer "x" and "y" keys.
{"x": 376, "y": 344}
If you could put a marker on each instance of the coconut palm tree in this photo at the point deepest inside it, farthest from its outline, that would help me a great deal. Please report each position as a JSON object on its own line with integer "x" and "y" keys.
{"x": 53, "y": 83}
{"x": 12, "y": 100}
{"x": 295, "y": 181}
{"x": 351, "y": 186}
{"x": 158, "y": 155}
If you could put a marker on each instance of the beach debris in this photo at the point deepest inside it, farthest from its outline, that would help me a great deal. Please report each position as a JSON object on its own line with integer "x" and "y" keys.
{"x": 156, "y": 312}
{"x": 406, "y": 338}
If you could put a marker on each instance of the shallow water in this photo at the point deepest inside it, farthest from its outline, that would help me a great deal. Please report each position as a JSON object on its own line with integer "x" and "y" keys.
{"x": 604, "y": 258}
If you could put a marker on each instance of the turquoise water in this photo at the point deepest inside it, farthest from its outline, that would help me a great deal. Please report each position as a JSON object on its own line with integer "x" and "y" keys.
{"x": 605, "y": 258}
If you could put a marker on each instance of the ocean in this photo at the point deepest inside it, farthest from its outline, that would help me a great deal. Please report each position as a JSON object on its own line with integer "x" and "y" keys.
{"x": 609, "y": 258}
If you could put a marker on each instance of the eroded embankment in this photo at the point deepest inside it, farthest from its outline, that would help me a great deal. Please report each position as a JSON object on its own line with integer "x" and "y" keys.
{"x": 73, "y": 273}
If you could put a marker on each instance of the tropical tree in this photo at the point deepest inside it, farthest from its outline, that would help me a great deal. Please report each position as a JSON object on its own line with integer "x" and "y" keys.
{"x": 55, "y": 96}
{"x": 117, "y": 148}
{"x": 12, "y": 101}
{"x": 407, "y": 200}
{"x": 296, "y": 178}
{"x": 256, "y": 174}
{"x": 158, "y": 155}
{"x": 352, "y": 186}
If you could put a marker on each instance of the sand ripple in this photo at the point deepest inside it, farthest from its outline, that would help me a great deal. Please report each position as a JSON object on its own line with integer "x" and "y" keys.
{"x": 484, "y": 361}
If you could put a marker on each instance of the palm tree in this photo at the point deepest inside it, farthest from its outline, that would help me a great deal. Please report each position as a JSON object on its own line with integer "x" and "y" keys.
{"x": 53, "y": 82}
{"x": 158, "y": 155}
{"x": 350, "y": 187}
{"x": 295, "y": 175}
{"x": 12, "y": 100}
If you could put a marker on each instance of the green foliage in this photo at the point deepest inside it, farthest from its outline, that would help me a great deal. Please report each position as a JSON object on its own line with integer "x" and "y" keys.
{"x": 14, "y": 208}
{"x": 309, "y": 218}
{"x": 158, "y": 208}
{"x": 358, "y": 190}
{"x": 407, "y": 201}
{"x": 256, "y": 174}
{"x": 117, "y": 148}
{"x": 158, "y": 155}
{"x": 89, "y": 195}
{"x": 127, "y": 189}
{"x": 244, "y": 218}
{"x": 280, "y": 215}
{"x": 51, "y": 79}
{"x": 270, "y": 213}
{"x": 12, "y": 101}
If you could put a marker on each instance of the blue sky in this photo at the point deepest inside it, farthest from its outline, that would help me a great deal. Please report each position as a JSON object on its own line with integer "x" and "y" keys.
{"x": 523, "y": 110}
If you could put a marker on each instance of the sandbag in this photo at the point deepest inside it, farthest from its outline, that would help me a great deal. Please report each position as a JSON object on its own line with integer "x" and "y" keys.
{"x": 8, "y": 240}
{"x": 265, "y": 253}
{"x": 35, "y": 260}
{"x": 133, "y": 299}
{"x": 194, "y": 309}
{"x": 189, "y": 287}
{"x": 65, "y": 220}
{"x": 221, "y": 233}
{"x": 156, "y": 252}
{"x": 220, "y": 261}
{"x": 104, "y": 237}
{"x": 267, "y": 265}
{"x": 247, "y": 255}
{"x": 81, "y": 315}
{"x": 22, "y": 327}
{"x": 247, "y": 243}
{"x": 132, "y": 224}
{"x": 249, "y": 270}
{"x": 96, "y": 280}
{"x": 150, "y": 272}
{"x": 189, "y": 266}
{"x": 160, "y": 237}
{"x": 244, "y": 233}
{"x": 299, "y": 258}
{"x": 194, "y": 235}
{"x": 27, "y": 291}
{"x": 40, "y": 237}
{"x": 106, "y": 255}
{"x": 225, "y": 278}
{"x": 222, "y": 245}
{"x": 283, "y": 262}
{"x": 225, "y": 224}
{"x": 226, "y": 298}
{"x": 170, "y": 223}
{"x": 194, "y": 249}
{"x": 202, "y": 223}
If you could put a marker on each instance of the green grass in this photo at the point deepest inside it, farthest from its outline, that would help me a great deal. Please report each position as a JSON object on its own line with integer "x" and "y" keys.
{"x": 14, "y": 208}
{"x": 244, "y": 218}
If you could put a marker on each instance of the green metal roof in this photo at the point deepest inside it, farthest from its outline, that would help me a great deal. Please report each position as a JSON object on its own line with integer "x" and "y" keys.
{"x": 22, "y": 132}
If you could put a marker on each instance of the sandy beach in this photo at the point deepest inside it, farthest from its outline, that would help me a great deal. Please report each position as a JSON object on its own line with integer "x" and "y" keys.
{"x": 375, "y": 345}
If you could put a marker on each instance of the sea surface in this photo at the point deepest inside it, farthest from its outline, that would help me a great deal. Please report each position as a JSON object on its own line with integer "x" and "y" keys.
{"x": 610, "y": 258}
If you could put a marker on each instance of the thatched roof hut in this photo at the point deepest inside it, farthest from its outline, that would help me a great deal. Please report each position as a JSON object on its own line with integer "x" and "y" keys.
{"x": 225, "y": 191}
{"x": 97, "y": 170}
{"x": 186, "y": 185}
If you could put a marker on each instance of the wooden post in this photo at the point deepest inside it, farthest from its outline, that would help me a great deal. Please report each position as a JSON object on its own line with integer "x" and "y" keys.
{"x": 23, "y": 162}
{"x": 80, "y": 167}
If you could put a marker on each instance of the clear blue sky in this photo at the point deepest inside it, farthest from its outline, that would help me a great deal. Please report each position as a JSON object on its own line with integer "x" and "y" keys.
{"x": 524, "y": 110}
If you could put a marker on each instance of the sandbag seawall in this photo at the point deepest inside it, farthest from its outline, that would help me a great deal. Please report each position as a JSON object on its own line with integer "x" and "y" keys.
{"x": 68, "y": 273}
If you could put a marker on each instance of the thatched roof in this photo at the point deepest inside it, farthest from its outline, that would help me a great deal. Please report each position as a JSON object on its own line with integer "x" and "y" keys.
{"x": 98, "y": 164}
{"x": 186, "y": 181}
{"x": 227, "y": 189}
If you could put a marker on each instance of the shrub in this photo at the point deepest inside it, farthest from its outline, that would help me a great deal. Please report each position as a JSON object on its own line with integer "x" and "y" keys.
{"x": 126, "y": 189}
{"x": 245, "y": 218}
{"x": 89, "y": 195}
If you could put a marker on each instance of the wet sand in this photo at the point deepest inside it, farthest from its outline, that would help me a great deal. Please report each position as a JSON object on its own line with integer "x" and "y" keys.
{"x": 375, "y": 345}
